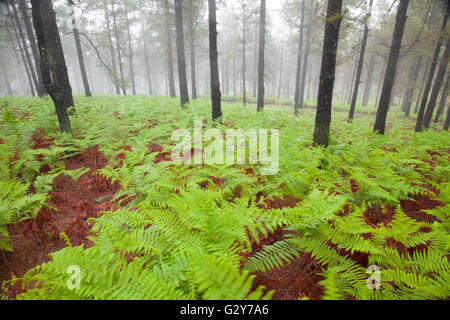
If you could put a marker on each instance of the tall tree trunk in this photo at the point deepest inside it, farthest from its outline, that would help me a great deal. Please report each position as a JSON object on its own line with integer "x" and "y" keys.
{"x": 327, "y": 73}
{"x": 407, "y": 100}
{"x": 147, "y": 65}
{"x": 391, "y": 69}
{"x": 305, "y": 65}
{"x": 184, "y": 96}
{"x": 53, "y": 64}
{"x": 447, "y": 121}
{"x": 262, "y": 44}
{"x": 244, "y": 89}
{"x": 437, "y": 86}
{"x": 255, "y": 64}
{"x": 169, "y": 50}
{"x": 6, "y": 79}
{"x": 443, "y": 101}
{"x": 119, "y": 54}
{"x": 29, "y": 30}
{"x": 24, "y": 46}
{"x": 422, "y": 87}
{"x": 299, "y": 61}
{"x": 191, "y": 32}
{"x": 360, "y": 62}
{"x": 111, "y": 49}
{"x": 423, "y": 103}
{"x": 281, "y": 69}
{"x": 350, "y": 91}
{"x": 214, "y": 64}
{"x": 76, "y": 35}
{"x": 130, "y": 48}
{"x": 368, "y": 85}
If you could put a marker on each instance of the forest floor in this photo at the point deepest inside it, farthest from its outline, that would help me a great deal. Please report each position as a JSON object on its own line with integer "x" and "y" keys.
{"x": 73, "y": 203}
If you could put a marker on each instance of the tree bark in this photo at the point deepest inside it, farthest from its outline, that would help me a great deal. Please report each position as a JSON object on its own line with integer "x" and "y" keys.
{"x": 327, "y": 73}
{"x": 391, "y": 69}
{"x": 443, "y": 101}
{"x": 262, "y": 43}
{"x": 111, "y": 49}
{"x": 119, "y": 54}
{"x": 130, "y": 48}
{"x": 53, "y": 64}
{"x": 34, "y": 50}
{"x": 184, "y": 95}
{"x": 423, "y": 103}
{"x": 169, "y": 50}
{"x": 422, "y": 87}
{"x": 447, "y": 121}
{"x": 299, "y": 62}
{"x": 351, "y": 113}
{"x": 214, "y": 64}
{"x": 191, "y": 32}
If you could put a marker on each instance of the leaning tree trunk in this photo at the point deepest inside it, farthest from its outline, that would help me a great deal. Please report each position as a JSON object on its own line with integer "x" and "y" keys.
{"x": 407, "y": 100}
{"x": 184, "y": 95}
{"x": 262, "y": 43}
{"x": 191, "y": 31}
{"x": 130, "y": 48}
{"x": 111, "y": 49}
{"x": 53, "y": 64}
{"x": 76, "y": 35}
{"x": 391, "y": 69}
{"x": 437, "y": 86}
{"x": 169, "y": 50}
{"x": 299, "y": 62}
{"x": 443, "y": 100}
{"x": 214, "y": 64}
{"x": 305, "y": 66}
{"x": 327, "y": 73}
{"x": 24, "y": 46}
{"x": 29, "y": 30}
{"x": 423, "y": 103}
{"x": 119, "y": 55}
{"x": 351, "y": 113}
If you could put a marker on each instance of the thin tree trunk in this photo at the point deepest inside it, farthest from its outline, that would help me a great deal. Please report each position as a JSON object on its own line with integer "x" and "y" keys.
{"x": 360, "y": 63}
{"x": 111, "y": 49}
{"x": 29, "y": 30}
{"x": 443, "y": 101}
{"x": 305, "y": 66}
{"x": 255, "y": 64}
{"x": 423, "y": 103}
{"x": 327, "y": 73}
{"x": 169, "y": 50}
{"x": 447, "y": 121}
{"x": 214, "y": 65}
{"x": 437, "y": 86}
{"x": 130, "y": 48}
{"x": 299, "y": 62}
{"x": 368, "y": 85}
{"x": 281, "y": 69}
{"x": 391, "y": 69}
{"x": 53, "y": 64}
{"x": 350, "y": 92}
{"x": 6, "y": 79}
{"x": 419, "y": 94}
{"x": 262, "y": 43}
{"x": 244, "y": 90}
{"x": 119, "y": 55}
{"x": 407, "y": 100}
{"x": 191, "y": 33}
{"x": 76, "y": 35}
{"x": 184, "y": 95}
{"x": 147, "y": 65}
{"x": 24, "y": 46}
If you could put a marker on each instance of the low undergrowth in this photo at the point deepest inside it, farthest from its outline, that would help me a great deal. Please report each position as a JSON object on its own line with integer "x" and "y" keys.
{"x": 171, "y": 231}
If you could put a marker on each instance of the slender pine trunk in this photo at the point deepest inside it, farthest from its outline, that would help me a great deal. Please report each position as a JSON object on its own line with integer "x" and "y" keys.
{"x": 443, "y": 101}
{"x": 111, "y": 49}
{"x": 184, "y": 96}
{"x": 262, "y": 43}
{"x": 299, "y": 62}
{"x": 130, "y": 48}
{"x": 214, "y": 64}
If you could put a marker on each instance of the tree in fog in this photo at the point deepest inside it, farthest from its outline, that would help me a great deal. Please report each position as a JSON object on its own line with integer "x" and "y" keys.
{"x": 327, "y": 73}
{"x": 184, "y": 96}
{"x": 52, "y": 62}
{"x": 391, "y": 68}
{"x": 214, "y": 64}
{"x": 262, "y": 35}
